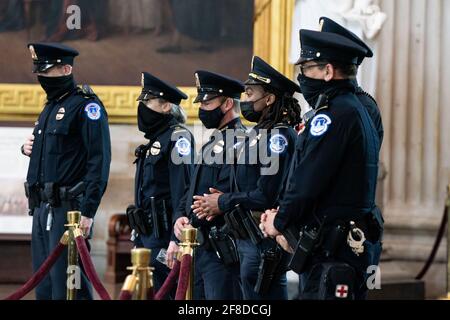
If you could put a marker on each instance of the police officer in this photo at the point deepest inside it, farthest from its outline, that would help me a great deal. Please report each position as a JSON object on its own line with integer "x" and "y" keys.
{"x": 218, "y": 95}
{"x": 270, "y": 103}
{"x": 70, "y": 155}
{"x": 163, "y": 169}
{"x": 328, "y": 25}
{"x": 330, "y": 195}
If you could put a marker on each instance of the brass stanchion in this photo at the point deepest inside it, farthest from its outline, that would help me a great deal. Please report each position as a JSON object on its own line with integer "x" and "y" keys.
{"x": 187, "y": 245}
{"x": 73, "y": 218}
{"x": 141, "y": 278}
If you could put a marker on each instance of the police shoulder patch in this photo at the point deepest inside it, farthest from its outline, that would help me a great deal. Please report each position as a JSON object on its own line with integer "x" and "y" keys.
{"x": 183, "y": 146}
{"x": 93, "y": 111}
{"x": 278, "y": 143}
{"x": 319, "y": 124}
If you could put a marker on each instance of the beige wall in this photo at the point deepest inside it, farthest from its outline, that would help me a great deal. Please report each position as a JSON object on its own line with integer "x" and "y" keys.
{"x": 413, "y": 91}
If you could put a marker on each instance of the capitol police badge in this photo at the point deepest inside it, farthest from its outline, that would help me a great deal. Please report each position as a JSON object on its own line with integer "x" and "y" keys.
{"x": 278, "y": 143}
{"x": 183, "y": 146}
{"x": 319, "y": 124}
{"x": 93, "y": 111}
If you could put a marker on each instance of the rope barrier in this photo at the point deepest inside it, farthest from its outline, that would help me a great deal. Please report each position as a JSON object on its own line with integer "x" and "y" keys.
{"x": 40, "y": 274}
{"x": 89, "y": 266}
{"x": 437, "y": 242}
{"x": 183, "y": 279}
{"x": 169, "y": 283}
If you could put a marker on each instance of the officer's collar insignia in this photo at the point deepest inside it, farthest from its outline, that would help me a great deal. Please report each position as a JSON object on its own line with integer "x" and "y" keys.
{"x": 321, "y": 24}
{"x": 278, "y": 143}
{"x": 60, "y": 114}
{"x": 255, "y": 140}
{"x": 33, "y": 53}
{"x": 156, "y": 148}
{"x": 258, "y": 77}
{"x": 197, "y": 81}
{"x": 183, "y": 146}
{"x": 319, "y": 124}
{"x": 218, "y": 148}
{"x": 93, "y": 111}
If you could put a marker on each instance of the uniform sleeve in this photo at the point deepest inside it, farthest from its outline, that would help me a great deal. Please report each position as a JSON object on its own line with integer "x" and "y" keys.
{"x": 180, "y": 173}
{"x": 270, "y": 182}
{"x": 319, "y": 161}
{"x": 96, "y": 140}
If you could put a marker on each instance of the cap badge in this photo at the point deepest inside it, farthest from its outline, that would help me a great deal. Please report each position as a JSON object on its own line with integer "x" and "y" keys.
{"x": 33, "y": 53}
{"x": 197, "y": 81}
{"x": 258, "y": 77}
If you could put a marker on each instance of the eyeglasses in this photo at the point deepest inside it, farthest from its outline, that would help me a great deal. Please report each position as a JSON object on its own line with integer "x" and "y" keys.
{"x": 303, "y": 67}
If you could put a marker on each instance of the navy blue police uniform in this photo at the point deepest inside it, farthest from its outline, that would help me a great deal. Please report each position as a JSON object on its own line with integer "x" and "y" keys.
{"x": 330, "y": 196}
{"x": 163, "y": 169}
{"x": 214, "y": 279}
{"x": 257, "y": 185}
{"x": 69, "y": 164}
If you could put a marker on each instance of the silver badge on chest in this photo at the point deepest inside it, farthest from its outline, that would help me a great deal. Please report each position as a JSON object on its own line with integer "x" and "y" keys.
{"x": 156, "y": 148}
{"x": 60, "y": 113}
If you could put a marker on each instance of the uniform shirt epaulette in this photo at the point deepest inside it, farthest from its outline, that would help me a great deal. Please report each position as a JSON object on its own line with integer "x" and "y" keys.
{"x": 280, "y": 126}
{"x": 360, "y": 90}
{"x": 179, "y": 128}
{"x": 87, "y": 91}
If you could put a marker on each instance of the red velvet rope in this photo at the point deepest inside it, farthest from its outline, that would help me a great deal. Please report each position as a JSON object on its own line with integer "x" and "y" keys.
{"x": 89, "y": 268}
{"x": 169, "y": 283}
{"x": 183, "y": 279}
{"x": 38, "y": 275}
{"x": 150, "y": 295}
{"x": 435, "y": 248}
{"x": 125, "y": 295}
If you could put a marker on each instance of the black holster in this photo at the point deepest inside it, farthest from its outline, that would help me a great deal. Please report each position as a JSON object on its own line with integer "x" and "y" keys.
{"x": 32, "y": 194}
{"x": 270, "y": 259}
{"x": 51, "y": 194}
{"x": 147, "y": 222}
{"x": 308, "y": 240}
{"x": 139, "y": 220}
{"x": 333, "y": 238}
{"x": 224, "y": 245}
{"x": 243, "y": 225}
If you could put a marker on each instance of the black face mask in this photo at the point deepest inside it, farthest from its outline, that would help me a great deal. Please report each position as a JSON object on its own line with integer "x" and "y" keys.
{"x": 151, "y": 122}
{"x": 55, "y": 87}
{"x": 312, "y": 88}
{"x": 248, "y": 110}
{"x": 211, "y": 118}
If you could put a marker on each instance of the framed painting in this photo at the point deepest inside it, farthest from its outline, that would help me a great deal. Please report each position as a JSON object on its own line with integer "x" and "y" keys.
{"x": 119, "y": 39}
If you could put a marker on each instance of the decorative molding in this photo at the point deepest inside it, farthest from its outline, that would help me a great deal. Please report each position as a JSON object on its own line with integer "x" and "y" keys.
{"x": 272, "y": 30}
{"x": 23, "y": 102}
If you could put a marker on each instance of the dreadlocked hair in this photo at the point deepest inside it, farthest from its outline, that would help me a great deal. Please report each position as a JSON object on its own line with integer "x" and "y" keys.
{"x": 284, "y": 110}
